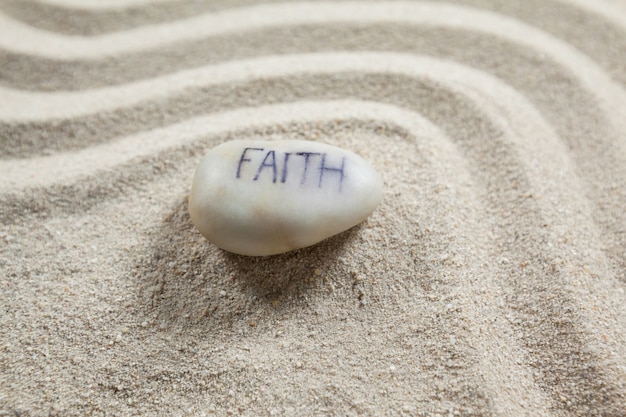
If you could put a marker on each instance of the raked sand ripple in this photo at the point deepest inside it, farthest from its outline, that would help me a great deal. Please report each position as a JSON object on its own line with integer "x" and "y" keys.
{"x": 490, "y": 281}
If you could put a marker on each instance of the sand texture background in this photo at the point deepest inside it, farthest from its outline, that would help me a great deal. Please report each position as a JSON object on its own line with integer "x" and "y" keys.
{"x": 489, "y": 282}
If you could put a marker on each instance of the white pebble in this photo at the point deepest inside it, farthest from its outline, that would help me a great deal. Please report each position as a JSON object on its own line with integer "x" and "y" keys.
{"x": 263, "y": 198}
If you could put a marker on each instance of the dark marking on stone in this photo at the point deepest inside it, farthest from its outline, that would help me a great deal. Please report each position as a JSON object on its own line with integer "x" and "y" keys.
{"x": 244, "y": 159}
{"x": 306, "y": 163}
{"x": 265, "y": 164}
{"x": 284, "y": 176}
{"x": 324, "y": 168}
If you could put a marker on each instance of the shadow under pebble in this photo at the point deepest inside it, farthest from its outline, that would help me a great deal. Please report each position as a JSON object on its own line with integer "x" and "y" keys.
{"x": 187, "y": 282}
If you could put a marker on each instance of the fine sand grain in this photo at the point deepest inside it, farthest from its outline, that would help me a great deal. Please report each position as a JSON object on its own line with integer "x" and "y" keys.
{"x": 489, "y": 282}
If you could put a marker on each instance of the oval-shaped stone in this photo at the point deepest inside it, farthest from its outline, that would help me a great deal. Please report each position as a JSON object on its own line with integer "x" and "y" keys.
{"x": 267, "y": 197}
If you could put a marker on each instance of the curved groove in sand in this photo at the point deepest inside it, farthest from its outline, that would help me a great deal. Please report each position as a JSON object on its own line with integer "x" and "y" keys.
{"x": 593, "y": 78}
{"x": 105, "y": 156}
{"x": 20, "y": 38}
{"x": 21, "y": 106}
{"x": 29, "y": 106}
{"x": 100, "y": 5}
{"x": 610, "y": 10}
{"x": 469, "y": 82}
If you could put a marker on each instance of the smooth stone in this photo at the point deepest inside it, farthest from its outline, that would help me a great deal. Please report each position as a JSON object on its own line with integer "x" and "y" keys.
{"x": 262, "y": 198}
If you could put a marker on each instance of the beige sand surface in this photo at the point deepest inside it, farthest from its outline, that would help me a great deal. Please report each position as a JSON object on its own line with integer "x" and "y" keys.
{"x": 490, "y": 281}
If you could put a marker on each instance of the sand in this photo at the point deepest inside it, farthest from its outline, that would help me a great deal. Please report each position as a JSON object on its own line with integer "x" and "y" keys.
{"x": 489, "y": 282}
